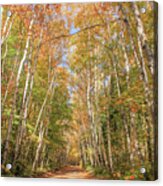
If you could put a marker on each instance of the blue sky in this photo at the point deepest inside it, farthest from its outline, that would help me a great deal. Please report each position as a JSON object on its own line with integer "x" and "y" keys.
{"x": 73, "y": 30}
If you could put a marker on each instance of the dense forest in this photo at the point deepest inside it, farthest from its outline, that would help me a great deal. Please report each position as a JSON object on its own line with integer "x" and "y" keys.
{"x": 79, "y": 89}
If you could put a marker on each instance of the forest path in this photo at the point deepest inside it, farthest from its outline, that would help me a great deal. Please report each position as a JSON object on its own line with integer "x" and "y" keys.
{"x": 69, "y": 172}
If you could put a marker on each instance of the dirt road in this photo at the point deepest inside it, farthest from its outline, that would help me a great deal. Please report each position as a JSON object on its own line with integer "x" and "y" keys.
{"x": 69, "y": 172}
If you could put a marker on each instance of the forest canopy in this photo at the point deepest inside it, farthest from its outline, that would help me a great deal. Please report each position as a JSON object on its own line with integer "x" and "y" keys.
{"x": 78, "y": 88}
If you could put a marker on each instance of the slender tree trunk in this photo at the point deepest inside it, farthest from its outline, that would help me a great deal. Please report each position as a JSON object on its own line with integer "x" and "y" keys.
{"x": 143, "y": 38}
{"x": 40, "y": 142}
{"x": 110, "y": 156}
{"x": 6, "y": 148}
{"x": 10, "y": 80}
{"x": 4, "y": 29}
{"x": 4, "y": 38}
{"x": 91, "y": 120}
{"x": 109, "y": 145}
{"x": 83, "y": 154}
{"x": 21, "y": 127}
{"x": 126, "y": 59}
{"x": 44, "y": 102}
{"x": 24, "y": 54}
{"x": 114, "y": 62}
{"x": 44, "y": 150}
{"x": 102, "y": 144}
